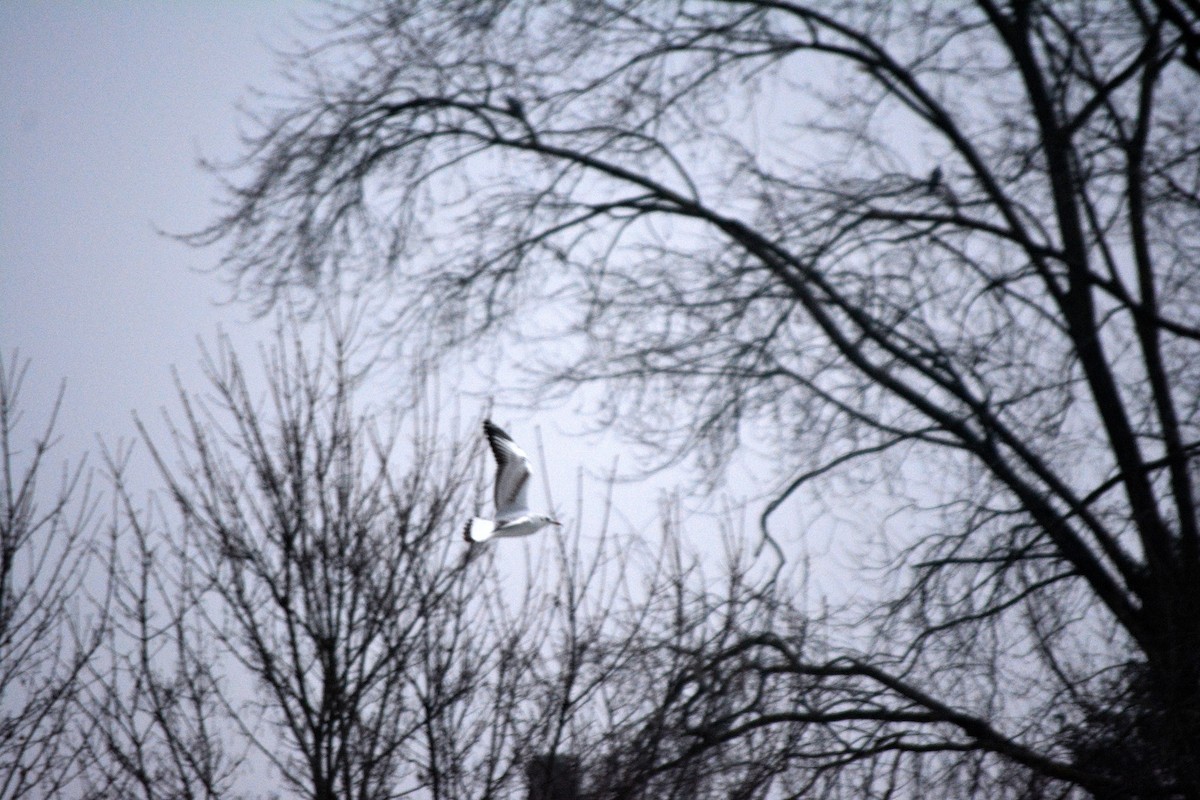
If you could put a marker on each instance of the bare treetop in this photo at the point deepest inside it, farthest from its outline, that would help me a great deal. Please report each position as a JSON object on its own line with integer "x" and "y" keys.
{"x": 951, "y": 241}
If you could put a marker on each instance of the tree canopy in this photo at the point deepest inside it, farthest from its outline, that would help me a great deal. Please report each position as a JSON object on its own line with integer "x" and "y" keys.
{"x": 953, "y": 240}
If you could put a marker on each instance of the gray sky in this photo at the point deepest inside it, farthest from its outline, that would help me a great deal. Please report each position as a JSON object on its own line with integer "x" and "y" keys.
{"x": 105, "y": 108}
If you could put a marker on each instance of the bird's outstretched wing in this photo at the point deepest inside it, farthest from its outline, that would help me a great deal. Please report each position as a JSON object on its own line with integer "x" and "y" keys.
{"x": 512, "y": 474}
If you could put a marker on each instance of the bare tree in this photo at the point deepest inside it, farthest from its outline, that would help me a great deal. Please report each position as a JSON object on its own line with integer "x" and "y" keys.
{"x": 945, "y": 248}
{"x": 302, "y": 610}
{"x": 47, "y": 631}
{"x": 158, "y": 724}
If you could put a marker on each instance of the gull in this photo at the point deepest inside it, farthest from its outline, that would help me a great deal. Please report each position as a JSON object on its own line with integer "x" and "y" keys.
{"x": 512, "y": 492}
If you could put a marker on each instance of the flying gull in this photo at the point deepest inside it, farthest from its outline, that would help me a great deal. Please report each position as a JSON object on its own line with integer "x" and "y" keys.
{"x": 512, "y": 493}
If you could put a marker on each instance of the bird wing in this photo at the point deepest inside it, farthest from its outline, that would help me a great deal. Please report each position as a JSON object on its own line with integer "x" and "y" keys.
{"x": 512, "y": 473}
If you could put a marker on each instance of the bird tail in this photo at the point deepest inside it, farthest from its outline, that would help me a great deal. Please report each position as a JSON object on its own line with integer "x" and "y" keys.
{"x": 479, "y": 530}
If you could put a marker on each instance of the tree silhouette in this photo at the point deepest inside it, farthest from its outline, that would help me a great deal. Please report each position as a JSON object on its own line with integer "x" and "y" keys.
{"x": 725, "y": 212}
{"x": 48, "y": 633}
{"x": 299, "y": 610}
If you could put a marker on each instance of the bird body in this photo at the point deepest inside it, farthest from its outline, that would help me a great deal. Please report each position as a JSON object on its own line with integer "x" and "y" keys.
{"x": 480, "y": 530}
{"x": 513, "y": 471}
{"x": 934, "y": 182}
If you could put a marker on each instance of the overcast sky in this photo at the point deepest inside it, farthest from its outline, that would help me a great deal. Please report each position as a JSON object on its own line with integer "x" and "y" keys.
{"x": 105, "y": 108}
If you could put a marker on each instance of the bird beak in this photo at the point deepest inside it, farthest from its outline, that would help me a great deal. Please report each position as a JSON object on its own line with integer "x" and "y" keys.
{"x": 556, "y": 522}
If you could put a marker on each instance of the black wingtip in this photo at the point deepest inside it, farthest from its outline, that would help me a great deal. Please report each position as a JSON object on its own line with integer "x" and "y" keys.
{"x": 492, "y": 429}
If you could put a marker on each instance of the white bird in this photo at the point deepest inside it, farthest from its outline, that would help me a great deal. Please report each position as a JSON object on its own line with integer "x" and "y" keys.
{"x": 512, "y": 493}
